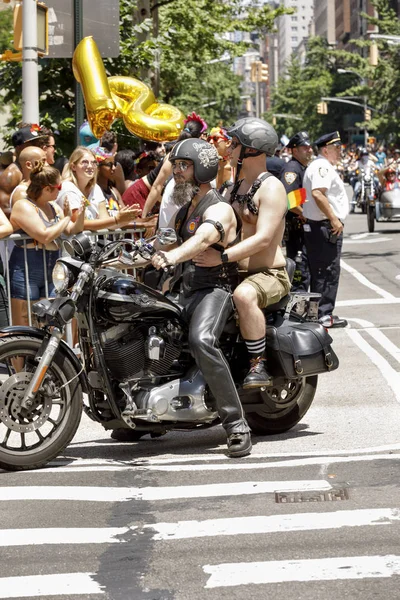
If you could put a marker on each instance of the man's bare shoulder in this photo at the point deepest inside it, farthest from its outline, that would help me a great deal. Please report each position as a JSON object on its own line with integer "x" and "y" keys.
{"x": 10, "y": 178}
{"x": 219, "y": 210}
{"x": 272, "y": 188}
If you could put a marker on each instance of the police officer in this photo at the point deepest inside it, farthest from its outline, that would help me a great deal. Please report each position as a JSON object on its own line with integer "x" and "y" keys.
{"x": 292, "y": 178}
{"x": 325, "y": 211}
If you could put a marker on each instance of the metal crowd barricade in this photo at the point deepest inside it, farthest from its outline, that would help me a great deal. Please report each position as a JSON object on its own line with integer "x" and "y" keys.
{"x": 7, "y": 245}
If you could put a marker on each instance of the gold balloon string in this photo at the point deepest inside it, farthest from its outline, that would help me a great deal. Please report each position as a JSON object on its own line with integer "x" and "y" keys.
{"x": 109, "y": 98}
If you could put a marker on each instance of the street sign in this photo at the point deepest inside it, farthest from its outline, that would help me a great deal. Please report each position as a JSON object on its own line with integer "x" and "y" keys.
{"x": 100, "y": 19}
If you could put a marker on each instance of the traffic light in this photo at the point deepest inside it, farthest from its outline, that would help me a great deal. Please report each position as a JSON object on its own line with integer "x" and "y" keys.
{"x": 255, "y": 71}
{"x": 367, "y": 114}
{"x": 264, "y": 72}
{"x": 373, "y": 54}
{"x": 42, "y": 28}
{"x": 322, "y": 108}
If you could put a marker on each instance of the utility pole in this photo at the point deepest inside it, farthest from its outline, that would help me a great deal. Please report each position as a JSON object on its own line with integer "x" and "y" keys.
{"x": 157, "y": 57}
{"x": 30, "y": 73}
{"x": 78, "y": 35}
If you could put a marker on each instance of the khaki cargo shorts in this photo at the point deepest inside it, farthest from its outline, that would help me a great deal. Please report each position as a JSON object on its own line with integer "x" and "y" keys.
{"x": 270, "y": 284}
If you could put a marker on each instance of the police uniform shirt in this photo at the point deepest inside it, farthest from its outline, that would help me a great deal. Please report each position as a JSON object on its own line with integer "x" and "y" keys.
{"x": 292, "y": 175}
{"x": 321, "y": 174}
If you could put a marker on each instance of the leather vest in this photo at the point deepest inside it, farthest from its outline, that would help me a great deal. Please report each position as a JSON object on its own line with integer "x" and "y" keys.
{"x": 195, "y": 278}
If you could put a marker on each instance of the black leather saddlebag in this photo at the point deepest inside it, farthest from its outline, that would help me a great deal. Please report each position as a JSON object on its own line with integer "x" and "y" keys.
{"x": 299, "y": 349}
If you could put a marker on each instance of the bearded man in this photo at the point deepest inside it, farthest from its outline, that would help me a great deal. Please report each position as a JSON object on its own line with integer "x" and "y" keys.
{"x": 206, "y": 220}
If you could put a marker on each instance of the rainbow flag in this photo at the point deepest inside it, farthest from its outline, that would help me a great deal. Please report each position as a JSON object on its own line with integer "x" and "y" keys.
{"x": 296, "y": 198}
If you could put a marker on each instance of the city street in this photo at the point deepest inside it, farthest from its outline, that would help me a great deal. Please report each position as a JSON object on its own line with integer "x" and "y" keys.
{"x": 313, "y": 513}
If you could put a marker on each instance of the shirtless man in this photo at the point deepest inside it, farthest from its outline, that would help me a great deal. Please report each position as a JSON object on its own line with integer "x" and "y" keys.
{"x": 27, "y": 159}
{"x": 259, "y": 252}
{"x": 27, "y": 135}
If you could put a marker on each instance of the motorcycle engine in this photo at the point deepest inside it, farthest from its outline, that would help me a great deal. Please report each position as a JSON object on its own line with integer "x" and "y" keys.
{"x": 138, "y": 351}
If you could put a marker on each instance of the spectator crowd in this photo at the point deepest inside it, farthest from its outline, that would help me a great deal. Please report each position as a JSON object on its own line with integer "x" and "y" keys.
{"x": 47, "y": 197}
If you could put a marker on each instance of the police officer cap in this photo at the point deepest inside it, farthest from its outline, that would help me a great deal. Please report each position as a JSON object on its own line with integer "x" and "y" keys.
{"x": 328, "y": 139}
{"x": 299, "y": 139}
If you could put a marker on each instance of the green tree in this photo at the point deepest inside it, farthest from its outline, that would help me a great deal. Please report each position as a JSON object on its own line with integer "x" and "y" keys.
{"x": 304, "y": 85}
{"x": 301, "y": 88}
{"x": 6, "y": 27}
{"x": 191, "y": 34}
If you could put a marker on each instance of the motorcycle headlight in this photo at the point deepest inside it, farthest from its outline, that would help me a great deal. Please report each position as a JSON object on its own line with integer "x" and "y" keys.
{"x": 62, "y": 277}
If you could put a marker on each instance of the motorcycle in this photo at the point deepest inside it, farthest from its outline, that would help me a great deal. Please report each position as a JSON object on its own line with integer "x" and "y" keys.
{"x": 366, "y": 189}
{"x": 136, "y": 367}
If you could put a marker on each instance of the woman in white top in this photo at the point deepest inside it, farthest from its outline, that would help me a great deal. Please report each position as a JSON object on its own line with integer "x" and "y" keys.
{"x": 79, "y": 182}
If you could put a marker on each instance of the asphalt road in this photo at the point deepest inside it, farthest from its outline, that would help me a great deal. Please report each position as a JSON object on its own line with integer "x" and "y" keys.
{"x": 310, "y": 514}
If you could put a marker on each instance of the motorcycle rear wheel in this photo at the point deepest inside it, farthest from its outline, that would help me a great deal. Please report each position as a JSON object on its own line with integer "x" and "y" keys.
{"x": 281, "y": 406}
{"x": 30, "y": 438}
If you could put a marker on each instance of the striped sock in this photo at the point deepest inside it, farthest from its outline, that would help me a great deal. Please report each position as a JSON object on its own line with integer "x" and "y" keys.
{"x": 255, "y": 348}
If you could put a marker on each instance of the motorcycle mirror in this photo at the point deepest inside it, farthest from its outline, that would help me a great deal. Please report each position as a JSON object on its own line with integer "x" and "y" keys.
{"x": 67, "y": 246}
{"x": 166, "y": 236}
{"x": 80, "y": 245}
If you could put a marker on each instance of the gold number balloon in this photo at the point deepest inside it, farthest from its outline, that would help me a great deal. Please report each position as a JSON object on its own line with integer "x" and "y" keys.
{"x": 107, "y": 98}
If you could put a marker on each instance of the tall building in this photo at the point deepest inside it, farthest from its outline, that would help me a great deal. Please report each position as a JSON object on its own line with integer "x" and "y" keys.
{"x": 342, "y": 21}
{"x": 324, "y": 20}
{"x": 292, "y": 29}
{"x": 350, "y": 24}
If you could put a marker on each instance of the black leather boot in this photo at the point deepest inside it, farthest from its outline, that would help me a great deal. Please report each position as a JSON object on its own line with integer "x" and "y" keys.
{"x": 257, "y": 376}
{"x": 239, "y": 444}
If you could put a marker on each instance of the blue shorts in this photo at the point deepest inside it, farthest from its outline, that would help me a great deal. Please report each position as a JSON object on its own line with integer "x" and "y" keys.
{"x": 37, "y": 271}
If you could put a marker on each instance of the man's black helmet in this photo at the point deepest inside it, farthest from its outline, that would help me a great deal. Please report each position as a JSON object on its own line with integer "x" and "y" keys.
{"x": 255, "y": 133}
{"x": 203, "y": 155}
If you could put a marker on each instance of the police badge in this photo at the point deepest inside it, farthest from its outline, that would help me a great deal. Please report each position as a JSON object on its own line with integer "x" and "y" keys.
{"x": 290, "y": 177}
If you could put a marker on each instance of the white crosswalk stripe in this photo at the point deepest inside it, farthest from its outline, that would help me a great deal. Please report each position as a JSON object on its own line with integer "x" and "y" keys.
{"x": 110, "y": 494}
{"x": 49, "y": 585}
{"x": 350, "y": 567}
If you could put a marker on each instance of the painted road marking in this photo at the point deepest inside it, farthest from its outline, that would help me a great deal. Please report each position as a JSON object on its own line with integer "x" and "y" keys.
{"x": 391, "y": 375}
{"x": 274, "y": 524}
{"x": 62, "y": 535}
{"x": 324, "y": 569}
{"x": 49, "y": 585}
{"x": 380, "y": 337}
{"x": 289, "y": 463}
{"x": 348, "y": 241}
{"x": 362, "y": 279}
{"x": 199, "y": 529}
{"x": 214, "y": 457}
{"x": 115, "y": 494}
{"x": 368, "y": 302}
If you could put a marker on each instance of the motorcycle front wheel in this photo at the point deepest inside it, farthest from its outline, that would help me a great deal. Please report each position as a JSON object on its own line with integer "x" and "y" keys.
{"x": 371, "y": 218}
{"x": 281, "y": 406}
{"x": 30, "y": 438}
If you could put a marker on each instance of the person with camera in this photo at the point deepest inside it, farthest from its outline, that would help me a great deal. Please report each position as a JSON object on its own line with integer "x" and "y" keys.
{"x": 326, "y": 208}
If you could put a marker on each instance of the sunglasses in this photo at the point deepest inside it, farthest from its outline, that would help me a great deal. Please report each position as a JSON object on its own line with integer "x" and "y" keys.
{"x": 107, "y": 164}
{"x": 85, "y": 163}
{"x": 182, "y": 166}
{"x": 234, "y": 144}
{"x": 215, "y": 139}
{"x": 55, "y": 187}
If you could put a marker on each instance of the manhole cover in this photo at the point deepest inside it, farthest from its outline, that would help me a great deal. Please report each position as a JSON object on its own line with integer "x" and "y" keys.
{"x": 330, "y": 496}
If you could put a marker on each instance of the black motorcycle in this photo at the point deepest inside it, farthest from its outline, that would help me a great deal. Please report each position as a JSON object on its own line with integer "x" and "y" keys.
{"x": 135, "y": 366}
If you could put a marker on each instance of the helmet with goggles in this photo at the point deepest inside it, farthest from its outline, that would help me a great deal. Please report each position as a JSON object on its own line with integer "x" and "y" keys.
{"x": 203, "y": 155}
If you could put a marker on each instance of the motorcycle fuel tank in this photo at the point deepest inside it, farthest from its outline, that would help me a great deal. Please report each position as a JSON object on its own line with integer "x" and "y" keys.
{"x": 121, "y": 298}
